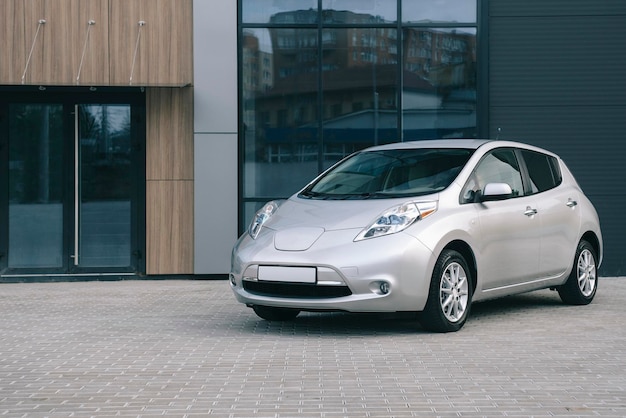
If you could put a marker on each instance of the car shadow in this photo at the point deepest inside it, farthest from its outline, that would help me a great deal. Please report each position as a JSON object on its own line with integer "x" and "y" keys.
{"x": 515, "y": 303}
{"x": 332, "y": 324}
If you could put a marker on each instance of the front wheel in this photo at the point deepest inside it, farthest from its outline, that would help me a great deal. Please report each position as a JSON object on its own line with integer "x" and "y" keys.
{"x": 581, "y": 286}
{"x": 270, "y": 313}
{"x": 450, "y": 294}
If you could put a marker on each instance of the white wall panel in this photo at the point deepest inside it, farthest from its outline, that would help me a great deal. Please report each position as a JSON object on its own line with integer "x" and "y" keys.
{"x": 215, "y": 208}
{"x": 215, "y": 65}
{"x": 215, "y": 134}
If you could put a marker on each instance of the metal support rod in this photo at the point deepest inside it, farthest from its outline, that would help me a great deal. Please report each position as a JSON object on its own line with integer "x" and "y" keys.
{"x": 141, "y": 24}
{"x": 90, "y": 23}
{"x": 32, "y": 47}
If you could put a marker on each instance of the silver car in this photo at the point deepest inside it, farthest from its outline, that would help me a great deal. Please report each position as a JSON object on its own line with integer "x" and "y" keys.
{"x": 427, "y": 226}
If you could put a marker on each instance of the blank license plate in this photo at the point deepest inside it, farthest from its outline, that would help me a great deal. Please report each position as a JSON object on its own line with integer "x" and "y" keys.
{"x": 287, "y": 274}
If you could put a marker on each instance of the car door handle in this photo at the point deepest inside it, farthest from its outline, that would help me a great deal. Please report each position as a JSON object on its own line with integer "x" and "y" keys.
{"x": 530, "y": 211}
{"x": 571, "y": 203}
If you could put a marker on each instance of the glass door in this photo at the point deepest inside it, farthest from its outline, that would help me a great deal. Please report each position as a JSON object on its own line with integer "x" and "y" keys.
{"x": 35, "y": 195}
{"x": 74, "y": 202}
{"x": 102, "y": 191}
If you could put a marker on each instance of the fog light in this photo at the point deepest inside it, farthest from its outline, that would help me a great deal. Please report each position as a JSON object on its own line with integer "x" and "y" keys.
{"x": 384, "y": 288}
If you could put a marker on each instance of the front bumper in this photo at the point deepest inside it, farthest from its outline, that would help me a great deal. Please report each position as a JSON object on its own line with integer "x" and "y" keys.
{"x": 384, "y": 274}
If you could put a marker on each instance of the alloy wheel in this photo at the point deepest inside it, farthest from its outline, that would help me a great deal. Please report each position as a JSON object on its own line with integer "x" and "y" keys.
{"x": 454, "y": 292}
{"x": 586, "y": 273}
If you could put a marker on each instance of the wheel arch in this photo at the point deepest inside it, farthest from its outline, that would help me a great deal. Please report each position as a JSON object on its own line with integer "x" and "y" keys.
{"x": 465, "y": 250}
{"x": 593, "y": 239}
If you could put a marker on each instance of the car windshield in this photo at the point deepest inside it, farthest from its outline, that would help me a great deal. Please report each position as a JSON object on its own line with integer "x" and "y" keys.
{"x": 390, "y": 173}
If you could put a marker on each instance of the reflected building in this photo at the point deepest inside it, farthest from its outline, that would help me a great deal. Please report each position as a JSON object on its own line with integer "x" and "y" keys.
{"x": 342, "y": 89}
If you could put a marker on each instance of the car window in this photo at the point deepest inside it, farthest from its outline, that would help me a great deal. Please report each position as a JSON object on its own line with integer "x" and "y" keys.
{"x": 543, "y": 171}
{"x": 390, "y": 173}
{"x": 499, "y": 166}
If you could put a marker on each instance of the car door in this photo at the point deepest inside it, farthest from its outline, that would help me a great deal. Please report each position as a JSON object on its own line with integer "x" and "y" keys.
{"x": 510, "y": 231}
{"x": 557, "y": 207}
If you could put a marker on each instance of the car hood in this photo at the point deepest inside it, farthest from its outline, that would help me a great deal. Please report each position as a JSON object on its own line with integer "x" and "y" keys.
{"x": 331, "y": 215}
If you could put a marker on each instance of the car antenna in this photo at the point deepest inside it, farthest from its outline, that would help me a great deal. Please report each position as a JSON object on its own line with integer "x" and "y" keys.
{"x": 499, "y": 131}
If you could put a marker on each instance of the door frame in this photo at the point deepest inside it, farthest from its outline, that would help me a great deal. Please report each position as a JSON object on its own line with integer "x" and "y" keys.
{"x": 68, "y": 97}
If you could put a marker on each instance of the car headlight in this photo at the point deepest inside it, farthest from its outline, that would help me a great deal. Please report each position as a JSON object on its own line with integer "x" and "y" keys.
{"x": 262, "y": 216}
{"x": 397, "y": 219}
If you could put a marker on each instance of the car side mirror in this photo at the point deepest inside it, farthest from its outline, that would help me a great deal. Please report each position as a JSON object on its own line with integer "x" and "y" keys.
{"x": 496, "y": 191}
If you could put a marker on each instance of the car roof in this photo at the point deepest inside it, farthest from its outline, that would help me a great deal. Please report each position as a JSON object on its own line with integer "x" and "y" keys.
{"x": 458, "y": 143}
{"x": 432, "y": 143}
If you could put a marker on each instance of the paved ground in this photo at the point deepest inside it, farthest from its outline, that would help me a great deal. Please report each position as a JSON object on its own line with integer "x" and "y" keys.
{"x": 186, "y": 348}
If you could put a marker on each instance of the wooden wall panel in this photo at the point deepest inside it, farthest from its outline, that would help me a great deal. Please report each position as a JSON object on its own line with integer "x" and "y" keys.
{"x": 169, "y": 181}
{"x": 95, "y": 68}
{"x": 169, "y": 227}
{"x": 169, "y": 133}
{"x": 164, "y": 56}
{"x": 165, "y": 47}
{"x": 124, "y": 16}
{"x": 12, "y": 42}
{"x": 170, "y": 46}
{"x": 34, "y": 10}
{"x": 58, "y": 46}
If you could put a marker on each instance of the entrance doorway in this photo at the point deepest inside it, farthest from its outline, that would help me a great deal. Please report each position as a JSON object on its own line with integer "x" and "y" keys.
{"x": 74, "y": 200}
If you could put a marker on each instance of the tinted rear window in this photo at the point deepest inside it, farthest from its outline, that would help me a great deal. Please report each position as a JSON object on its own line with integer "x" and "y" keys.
{"x": 543, "y": 171}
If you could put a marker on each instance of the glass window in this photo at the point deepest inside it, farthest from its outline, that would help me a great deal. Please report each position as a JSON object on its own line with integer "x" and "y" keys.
{"x": 439, "y": 83}
{"x": 427, "y": 11}
{"x": 499, "y": 166}
{"x": 326, "y": 78}
{"x": 543, "y": 171}
{"x": 359, "y": 87}
{"x": 359, "y": 11}
{"x": 280, "y": 94}
{"x": 279, "y": 11}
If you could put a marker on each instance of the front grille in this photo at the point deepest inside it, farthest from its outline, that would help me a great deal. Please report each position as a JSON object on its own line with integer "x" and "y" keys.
{"x": 295, "y": 290}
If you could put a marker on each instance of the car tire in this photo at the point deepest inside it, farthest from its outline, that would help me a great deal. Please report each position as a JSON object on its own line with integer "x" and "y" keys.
{"x": 271, "y": 313}
{"x": 582, "y": 283}
{"x": 450, "y": 294}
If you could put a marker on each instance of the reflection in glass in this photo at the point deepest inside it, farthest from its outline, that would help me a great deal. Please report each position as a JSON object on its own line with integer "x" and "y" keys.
{"x": 359, "y": 11}
{"x": 359, "y": 89}
{"x": 280, "y": 94}
{"x": 350, "y": 82}
{"x": 279, "y": 11}
{"x": 105, "y": 193}
{"x": 35, "y": 186}
{"x": 439, "y": 75}
{"x": 424, "y": 11}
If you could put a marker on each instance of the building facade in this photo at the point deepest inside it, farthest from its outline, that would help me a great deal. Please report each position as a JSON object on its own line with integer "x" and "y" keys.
{"x": 138, "y": 137}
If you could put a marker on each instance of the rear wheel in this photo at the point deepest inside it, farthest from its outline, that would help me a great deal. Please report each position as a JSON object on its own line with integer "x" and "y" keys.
{"x": 450, "y": 294}
{"x": 580, "y": 288}
{"x": 271, "y": 313}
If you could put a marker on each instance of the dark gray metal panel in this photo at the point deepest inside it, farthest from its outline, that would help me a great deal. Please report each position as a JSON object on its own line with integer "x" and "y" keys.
{"x": 557, "y": 79}
{"x": 556, "y": 7}
{"x": 557, "y": 61}
{"x": 591, "y": 140}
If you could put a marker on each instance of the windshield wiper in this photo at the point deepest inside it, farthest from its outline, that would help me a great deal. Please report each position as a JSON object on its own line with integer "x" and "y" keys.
{"x": 387, "y": 195}
{"x": 308, "y": 194}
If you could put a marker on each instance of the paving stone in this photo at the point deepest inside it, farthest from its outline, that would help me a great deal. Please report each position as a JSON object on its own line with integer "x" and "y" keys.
{"x": 185, "y": 348}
